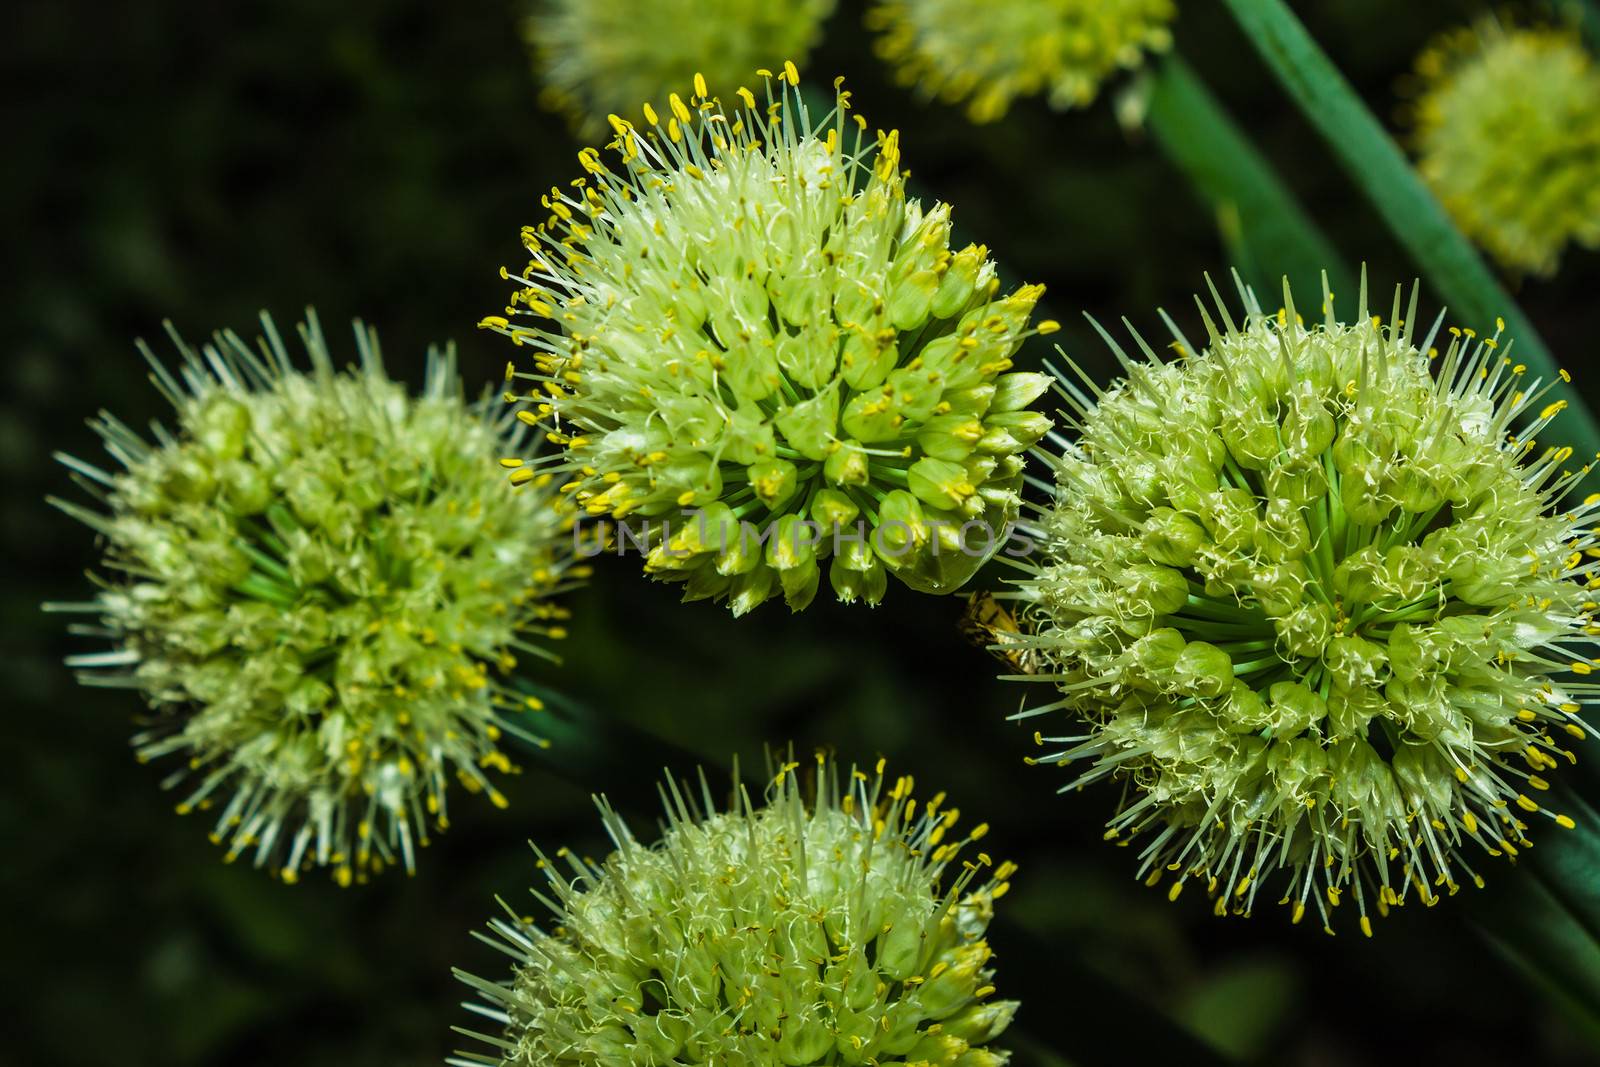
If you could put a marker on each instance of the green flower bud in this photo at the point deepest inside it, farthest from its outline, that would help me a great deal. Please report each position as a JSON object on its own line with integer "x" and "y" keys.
{"x": 1297, "y": 485}
{"x": 972, "y": 400}
{"x": 1283, "y": 534}
{"x": 1156, "y": 653}
{"x": 939, "y": 483}
{"x": 773, "y": 481}
{"x": 1010, "y": 432}
{"x": 1247, "y": 710}
{"x": 1281, "y": 588}
{"x": 1306, "y": 629}
{"x": 712, "y": 529}
{"x": 1203, "y": 669}
{"x": 792, "y": 544}
{"x": 827, "y": 910}
{"x": 857, "y": 574}
{"x": 809, "y": 425}
{"x": 1354, "y": 662}
{"x": 951, "y": 437}
{"x": 831, "y": 508}
{"x": 981, "y": 1023}
{"x": 1229, "y": 514}
{"x": 1350, "y": 709}
{"x": 319, "y": 583}
{"x": 1153, "y": 590}
{"x": 902, "y": 529}
{"x": 741, "y": 304}
{"x": 1309, "y": 429}
{"x": 750, "y": 587}
{"x": 1251, "y": 434}
{"x": 1013, "y": 392}
{"x": 1332, "y": 660}
{"x": 800, "y": 583}
{"x": 742, "y": 554}
{"x": 1294, "y": 709}
{"x": 1357, "y": 576}
{"x": 1172, "y": 539}
{"x": 848, "y": 465}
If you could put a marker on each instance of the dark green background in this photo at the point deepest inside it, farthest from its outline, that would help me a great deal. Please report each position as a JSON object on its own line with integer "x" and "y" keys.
{"x": 202, "y": 161}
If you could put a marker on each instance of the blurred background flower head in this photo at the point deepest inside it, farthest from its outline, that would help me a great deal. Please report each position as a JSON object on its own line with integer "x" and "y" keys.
{"x": 1507, "y": 133}
{"x": 606, "y": 57}
{"x": 1062, "y": 49}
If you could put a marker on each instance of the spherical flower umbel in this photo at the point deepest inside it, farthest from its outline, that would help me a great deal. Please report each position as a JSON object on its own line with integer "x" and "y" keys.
{"x": 1317, "y": 609}
{"x": 1063, "y": 48}
{"x": 599, "y": 57}
{"x": 319, "y": 583}
{"x": 816, "y": 929}
{"x": 1508, "y": 136}
{"x": 752, "y": 345}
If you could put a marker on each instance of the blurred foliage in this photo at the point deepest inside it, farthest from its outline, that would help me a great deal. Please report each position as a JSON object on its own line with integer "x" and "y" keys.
{"x": 199, "y": 162}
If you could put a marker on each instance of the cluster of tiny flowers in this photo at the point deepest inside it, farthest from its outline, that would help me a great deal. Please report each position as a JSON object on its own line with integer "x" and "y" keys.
{"x": 1013, "y": 48}
{"x": 1309, "y": 604}
{"x": 1508, "y": 136}
{"x": 794, "y": 933}
{"x": 598, "y": 57}
{"x": 317, "y": 583}
{"x": 747, "y": 318}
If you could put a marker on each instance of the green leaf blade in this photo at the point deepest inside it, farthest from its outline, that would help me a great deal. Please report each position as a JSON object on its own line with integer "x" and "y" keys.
{"x": 1269, "y": 233}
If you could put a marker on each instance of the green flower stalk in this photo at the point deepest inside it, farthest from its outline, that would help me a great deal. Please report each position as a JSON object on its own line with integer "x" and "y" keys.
{"x": 599, "y": 57}
{"x": 1065, "y": 49}
{"x": 319, "y": 584}
{"x": 749, "y": 340}
{"x": 816, "y": 929}
{"x": 1507, "y": 133}
{"x": 1318, "y": 610}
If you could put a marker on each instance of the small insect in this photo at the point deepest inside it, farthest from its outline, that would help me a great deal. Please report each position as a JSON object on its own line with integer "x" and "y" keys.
{"x": 990, "y": 626}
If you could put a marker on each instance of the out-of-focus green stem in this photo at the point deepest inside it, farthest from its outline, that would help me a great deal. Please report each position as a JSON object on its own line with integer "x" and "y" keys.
{"x": 1413, "y": 213}
{"x": 1587, "y": 15}
{"x": 1271, "y": 233}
